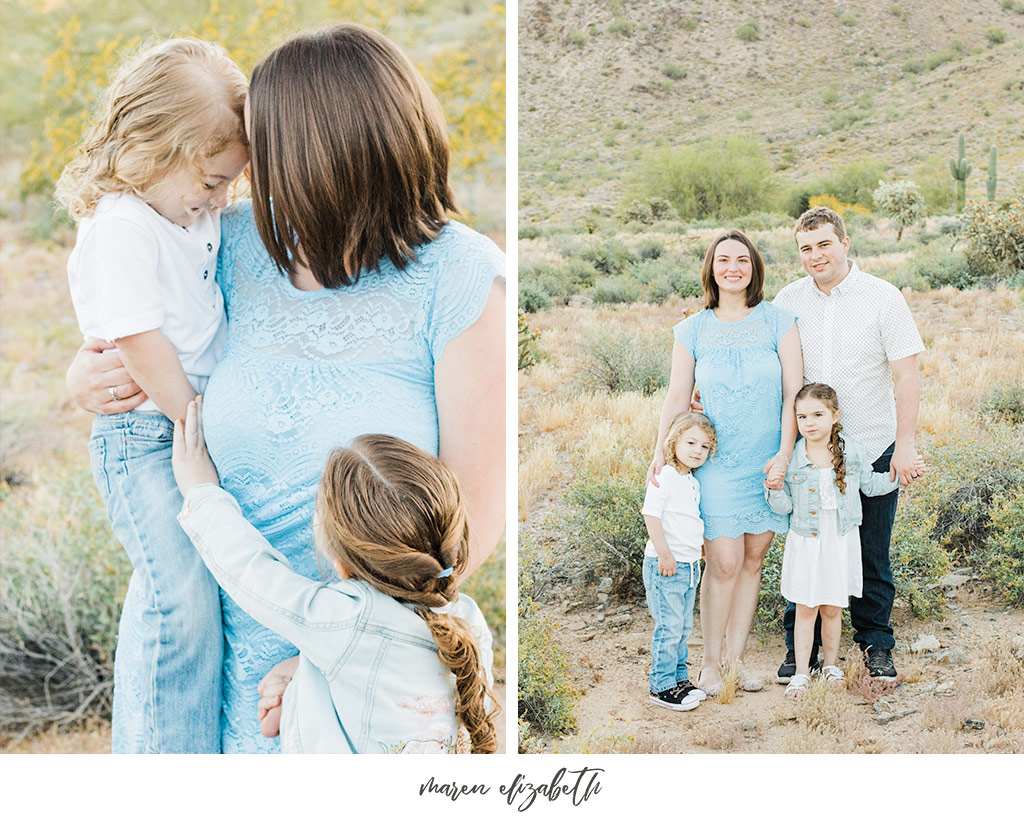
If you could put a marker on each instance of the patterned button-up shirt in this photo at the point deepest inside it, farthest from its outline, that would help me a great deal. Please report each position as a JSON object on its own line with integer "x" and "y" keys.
{"x": 849, "y": 338}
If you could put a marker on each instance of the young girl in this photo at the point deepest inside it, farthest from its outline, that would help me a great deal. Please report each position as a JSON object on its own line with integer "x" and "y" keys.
{"x": 379, "y": 648}
{"x": 821, "y": 567}
{"x": 146, "y": 188}
{"x": 672, "y": 558}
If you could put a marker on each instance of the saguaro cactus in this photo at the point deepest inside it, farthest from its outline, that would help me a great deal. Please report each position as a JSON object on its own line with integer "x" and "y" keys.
{"x": 993, "y": 176}
{"x": 960, "y": 169}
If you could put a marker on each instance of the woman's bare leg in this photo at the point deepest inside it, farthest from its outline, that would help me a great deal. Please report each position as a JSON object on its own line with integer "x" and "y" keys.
{"x": 724, "y": 557}
{"x": 744, "y": 596}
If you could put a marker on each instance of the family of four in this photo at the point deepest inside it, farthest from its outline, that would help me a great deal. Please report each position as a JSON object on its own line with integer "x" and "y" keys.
{"x": 337, "y": 344}
{"x": 762, "y": 448}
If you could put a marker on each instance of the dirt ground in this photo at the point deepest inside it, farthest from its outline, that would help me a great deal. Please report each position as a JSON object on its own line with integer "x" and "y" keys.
{"x": 962, "y": 696}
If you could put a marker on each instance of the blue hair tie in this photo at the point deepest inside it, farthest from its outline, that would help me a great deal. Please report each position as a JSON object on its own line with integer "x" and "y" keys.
{"x": 444, "y": 573}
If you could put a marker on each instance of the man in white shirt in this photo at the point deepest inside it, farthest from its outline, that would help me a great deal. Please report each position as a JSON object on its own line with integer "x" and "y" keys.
{"x": 859, "y": 338}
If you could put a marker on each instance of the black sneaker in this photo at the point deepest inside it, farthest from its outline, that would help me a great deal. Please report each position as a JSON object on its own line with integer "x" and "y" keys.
{"x": 787, "y": 669}
{"x": 674, "y": 699}
{"x": 879, "y": 664}
{"x": 687, "y": 687}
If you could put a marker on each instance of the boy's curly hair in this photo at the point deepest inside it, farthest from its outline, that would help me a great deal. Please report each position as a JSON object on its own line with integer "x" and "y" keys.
{"x": 680, "y": 423}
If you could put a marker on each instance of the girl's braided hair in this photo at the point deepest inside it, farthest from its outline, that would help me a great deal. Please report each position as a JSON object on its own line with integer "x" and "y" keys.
{"x": 392, "y": 515}
{"x": 827, "y": 395}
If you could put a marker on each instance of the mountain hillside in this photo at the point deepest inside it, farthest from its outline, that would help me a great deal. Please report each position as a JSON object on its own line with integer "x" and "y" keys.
{"x": 818, "y": 85}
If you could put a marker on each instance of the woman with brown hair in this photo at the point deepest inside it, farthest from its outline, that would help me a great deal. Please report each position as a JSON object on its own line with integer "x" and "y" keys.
{"x": 354, "y": 306}
{"x": 744, "y": 354}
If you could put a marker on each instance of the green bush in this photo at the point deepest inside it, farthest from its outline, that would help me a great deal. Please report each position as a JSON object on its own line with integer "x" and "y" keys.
{"x": 995, "y": 36}
{"x": 650, "y": 249}
{"x": 610, "y": 528}
{"x": 673, "y": 72}
{"x": 547, "y": 696}
{"x": 917, "y": 560}
{"x": 617, "y": 289}
{"x": 527, "y": 231}
{"x": 932, "y": 178}
{"x": 939, "y": 267}
{"x": 64, "y": 580}
{"x": 1003, "y": 556}
{"x": 621, "y": 26}
{"x": 770, "y": 604}
{"x": 1004, "y": 404}
{"x": 749, "y": 32}
{"x": 532, "y": 299}
{"x": 901, "y": 201}
{"x": 624, "y": 363}
{"x": 608, "y": 257}
{"x": 715, "y": 179}
{"x": 996, "y": 231}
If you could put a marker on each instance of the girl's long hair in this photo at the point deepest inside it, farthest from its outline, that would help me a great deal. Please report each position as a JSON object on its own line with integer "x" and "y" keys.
{"x": 827, "y": 395}
{"x": 170, "y": 105}
{"x": 392, "y": 515}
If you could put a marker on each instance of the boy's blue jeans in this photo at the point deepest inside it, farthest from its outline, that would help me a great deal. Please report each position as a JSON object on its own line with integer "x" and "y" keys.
{"x": 870, "y": 613}
{"x": 167, "y": 666}
{"x": 670, "y": 600}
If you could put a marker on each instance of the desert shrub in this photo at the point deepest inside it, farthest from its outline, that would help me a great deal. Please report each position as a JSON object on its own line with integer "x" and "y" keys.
{"x": 939, "y": 267}
{"x": 936, "y": 186}
{"x": 1005, "y": 403}
{"x": 577, "y": 38}
{"x": 917, "y": 560}
{"x": 624, "y": 364}
{"x": 848, "y": 211}
{"x": 965, "y": 479}
{"x": 621, "y": 26}
{"x": 528, "y": 231}
{"x": 63, "y": 584}
{"x": 638, "y": 211}
{"x": 853, "y": 183}
{"x": 664, "y": 277}
{"x": 608, "y": 526}
{"x": 1003, "y": 554}
{"x": 532, "y": 299}
{"x": 995, "y": 36}
{"x": 650, "y": 249}
{"x": 529, "y": 351}
{"x": 689, "y": 23}
{"x": 996, "y": 231}
{"x": 901, "y": 201}
{"x": 547, "y": 695}
{"x": 837, "y": 121}
{"x": 561, "y": 279}
{"x": 749, "y": 32}
{"x": 608, "y": 257}
{"x": 770, "y": 603}
{"x": 617, "y": 289}
{"x": 673, "y": 72}
{"x": 715, "y": 179}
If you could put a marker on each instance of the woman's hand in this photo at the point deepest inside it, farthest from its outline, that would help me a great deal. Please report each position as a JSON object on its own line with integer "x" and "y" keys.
{"x": 271, "y": 688}
{"x": 98, "y": 382}
{"x": 655, "y": 469}
{"x": 189, "y": 458}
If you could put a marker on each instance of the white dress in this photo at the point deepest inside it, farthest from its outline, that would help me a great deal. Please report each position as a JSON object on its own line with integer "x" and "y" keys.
{"x": 825, "y": 569}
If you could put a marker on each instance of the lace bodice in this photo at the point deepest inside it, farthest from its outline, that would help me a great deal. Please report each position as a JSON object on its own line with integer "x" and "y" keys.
{"x": 305, "y": 372}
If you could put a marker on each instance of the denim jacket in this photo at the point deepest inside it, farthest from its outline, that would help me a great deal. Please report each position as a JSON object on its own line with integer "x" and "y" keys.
{"x": 800, "y": 498}
{"x": 369, "y": 679}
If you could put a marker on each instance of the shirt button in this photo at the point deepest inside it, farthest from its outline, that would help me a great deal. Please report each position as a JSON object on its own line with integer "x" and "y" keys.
{"x": 209, "y": 247}
{"x": 206, "y": 274}
{"x": 812, "y": 489}
{"x": 814, "y": 534}
{"x": 813, "y": 512}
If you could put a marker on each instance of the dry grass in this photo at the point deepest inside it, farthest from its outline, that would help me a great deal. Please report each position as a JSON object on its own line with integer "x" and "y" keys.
{"x": 538, "y": 471}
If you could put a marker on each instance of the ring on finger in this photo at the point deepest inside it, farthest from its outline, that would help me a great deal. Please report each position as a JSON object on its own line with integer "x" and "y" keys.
{"x": 113, "y": 393}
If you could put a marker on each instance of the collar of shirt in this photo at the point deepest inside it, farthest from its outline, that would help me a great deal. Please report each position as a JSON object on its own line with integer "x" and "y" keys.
{"x": 846, "y": 285}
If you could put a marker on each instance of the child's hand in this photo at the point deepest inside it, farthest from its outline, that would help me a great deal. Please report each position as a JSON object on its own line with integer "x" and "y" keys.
{"x": 271, "y": 688}
{"x": 666, "y": 565}
{"x": 918, "y": 469}
{"x": 775, "y": 469}
{"x": 770, "y": 484}
{"x": 191, "y": 463}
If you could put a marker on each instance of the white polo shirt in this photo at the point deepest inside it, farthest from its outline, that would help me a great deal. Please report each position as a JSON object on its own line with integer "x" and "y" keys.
{"x": 676, "y": 503}
{"x": 849, "y": 338}
{"x": 132, "y": 270}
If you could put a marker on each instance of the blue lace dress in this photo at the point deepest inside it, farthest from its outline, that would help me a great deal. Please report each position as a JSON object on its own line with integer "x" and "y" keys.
{"x": 740, "y": 380}
{"x": 305, "y": 372}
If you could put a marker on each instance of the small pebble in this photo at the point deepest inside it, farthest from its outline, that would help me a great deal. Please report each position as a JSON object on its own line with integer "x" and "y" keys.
{"x": 974, "y": 724}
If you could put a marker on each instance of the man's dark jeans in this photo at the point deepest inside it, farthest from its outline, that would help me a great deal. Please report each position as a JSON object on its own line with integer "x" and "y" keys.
{"x": 870, "y": 613}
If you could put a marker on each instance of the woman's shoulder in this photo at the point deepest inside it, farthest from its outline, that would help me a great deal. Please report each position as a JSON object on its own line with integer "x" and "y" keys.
{"x": 691, "y": 321}
{"x": 237, "y": 219}
{"x": 457, "y": 243}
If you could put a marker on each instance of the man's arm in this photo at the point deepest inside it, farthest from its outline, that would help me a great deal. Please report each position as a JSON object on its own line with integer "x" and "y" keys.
{"x": 907, "y": 382}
